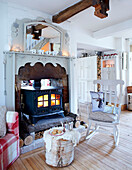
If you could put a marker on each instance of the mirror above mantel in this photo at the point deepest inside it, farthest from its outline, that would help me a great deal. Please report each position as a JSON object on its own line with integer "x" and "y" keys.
{"x": 43, "y": 37}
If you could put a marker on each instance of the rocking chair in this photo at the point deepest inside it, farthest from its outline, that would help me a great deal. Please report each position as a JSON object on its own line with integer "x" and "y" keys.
{"x": 111, "y": 107}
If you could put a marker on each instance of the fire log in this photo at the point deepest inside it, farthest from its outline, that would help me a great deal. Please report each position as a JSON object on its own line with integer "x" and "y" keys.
{"x": 39, "y": 135}
{"x": 21, "y": 143}
{"x": 27, "y": 138}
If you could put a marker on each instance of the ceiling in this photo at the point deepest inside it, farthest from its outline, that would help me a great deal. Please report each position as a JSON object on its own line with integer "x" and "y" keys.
{"x": 48, "y": 6}
{"x": 89, "y": 48}
{"x": 120, "y": 11}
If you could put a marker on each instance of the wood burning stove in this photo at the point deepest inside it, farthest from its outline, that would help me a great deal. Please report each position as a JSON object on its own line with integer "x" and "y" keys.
{"x": 42, "y": 102}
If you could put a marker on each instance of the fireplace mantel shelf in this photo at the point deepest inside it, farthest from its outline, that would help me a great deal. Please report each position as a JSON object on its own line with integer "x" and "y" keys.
{"x": 36, "y": 54}
{"x": 21, "y": 58}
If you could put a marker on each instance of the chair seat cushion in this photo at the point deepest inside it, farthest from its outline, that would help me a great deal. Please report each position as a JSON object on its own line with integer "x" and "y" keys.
{"x": 103, "y": 116}
{"x": 2, "y": 121}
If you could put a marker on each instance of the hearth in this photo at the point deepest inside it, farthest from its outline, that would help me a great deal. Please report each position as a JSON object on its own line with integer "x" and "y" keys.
{"x": 41, "y": 102}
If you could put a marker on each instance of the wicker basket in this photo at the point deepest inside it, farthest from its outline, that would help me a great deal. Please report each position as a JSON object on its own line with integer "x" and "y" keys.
{"x": 61, "y": 153}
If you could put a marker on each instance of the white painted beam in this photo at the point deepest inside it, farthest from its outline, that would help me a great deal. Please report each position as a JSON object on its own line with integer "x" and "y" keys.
{"x": 113, "y": 30}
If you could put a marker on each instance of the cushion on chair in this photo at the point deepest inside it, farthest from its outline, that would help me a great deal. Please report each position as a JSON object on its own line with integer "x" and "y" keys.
{"x": 111, "y": 109}
{"x": 97, "y": 101}
{"x": 101, "y": 116}
{"x": 12, "y": 121}
{"x": 2, "y": 121}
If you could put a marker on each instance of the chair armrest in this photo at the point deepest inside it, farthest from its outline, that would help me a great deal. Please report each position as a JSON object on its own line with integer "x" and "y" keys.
{"x": 12, "y": 121}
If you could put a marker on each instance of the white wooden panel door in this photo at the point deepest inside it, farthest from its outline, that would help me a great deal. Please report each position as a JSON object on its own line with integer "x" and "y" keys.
{"x": 87, "y": 72}
{"x": 104, "y": 73}
{"x": 108, "y": 72}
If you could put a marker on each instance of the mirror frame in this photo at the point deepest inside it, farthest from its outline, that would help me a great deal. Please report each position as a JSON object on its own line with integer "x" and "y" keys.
{"x": 47, "y": 24}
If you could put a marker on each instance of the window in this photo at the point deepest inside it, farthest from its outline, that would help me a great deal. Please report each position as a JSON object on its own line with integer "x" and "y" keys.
{"x": 43, "y": 101}
{"x": 55, "y": 99}
{"x": 108, "y": 63}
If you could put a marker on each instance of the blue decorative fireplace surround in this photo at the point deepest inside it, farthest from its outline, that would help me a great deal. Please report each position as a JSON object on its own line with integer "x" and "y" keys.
{"x": 40, "y": 102}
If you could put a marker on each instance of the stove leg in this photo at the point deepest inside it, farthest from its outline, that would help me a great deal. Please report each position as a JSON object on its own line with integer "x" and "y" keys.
{"x": 34, "y": 120}
{"x": 61, "y": 114}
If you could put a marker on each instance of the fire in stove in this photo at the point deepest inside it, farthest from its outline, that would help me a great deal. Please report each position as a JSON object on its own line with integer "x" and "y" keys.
{"x": 43, "y": 101}
{"x": 55, "y": 99}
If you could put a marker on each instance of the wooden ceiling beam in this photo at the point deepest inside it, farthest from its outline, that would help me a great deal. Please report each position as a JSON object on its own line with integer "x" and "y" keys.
{"x": 101, "y": 6}
{"x": 71, "y": 11}
{"x": 37, "y": 28}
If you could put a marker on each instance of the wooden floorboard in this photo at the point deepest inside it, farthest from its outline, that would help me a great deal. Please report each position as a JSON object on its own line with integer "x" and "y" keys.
{"x": 94, "y": 154}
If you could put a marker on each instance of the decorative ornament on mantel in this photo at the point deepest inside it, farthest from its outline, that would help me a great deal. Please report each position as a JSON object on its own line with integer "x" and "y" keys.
{"x": 65, "y": 53}
{"x": 15, "y": 29}
{"x": 15, "y": 48}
